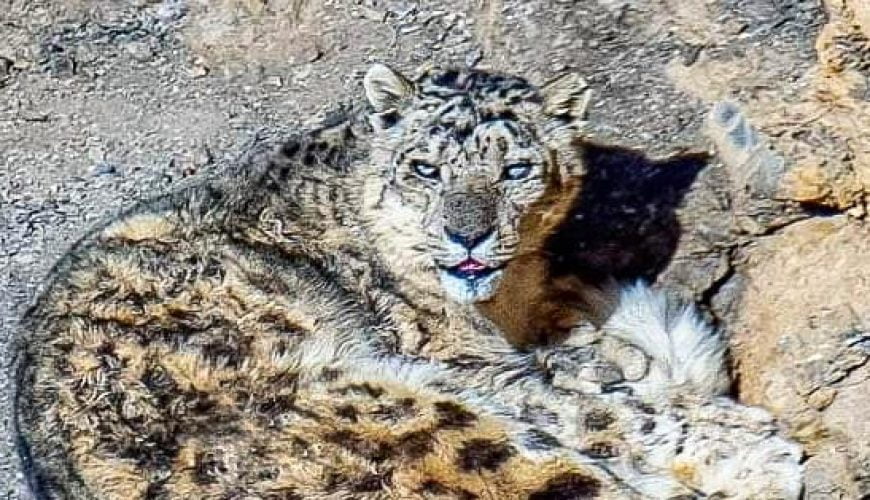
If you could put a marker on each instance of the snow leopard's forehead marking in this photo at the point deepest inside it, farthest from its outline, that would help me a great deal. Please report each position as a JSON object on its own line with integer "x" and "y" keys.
{"x": 471, "y": 122}
{"x": 462, "y": 101}
{"x": 493, "y": 93}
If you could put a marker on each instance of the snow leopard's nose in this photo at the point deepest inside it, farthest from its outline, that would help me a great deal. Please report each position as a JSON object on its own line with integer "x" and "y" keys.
{"x": 465, "y": 241}
{"x": 469, "y": 216}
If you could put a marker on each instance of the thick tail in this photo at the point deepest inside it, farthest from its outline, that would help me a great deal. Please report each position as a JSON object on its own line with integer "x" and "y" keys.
{"x": 685, "y": 353}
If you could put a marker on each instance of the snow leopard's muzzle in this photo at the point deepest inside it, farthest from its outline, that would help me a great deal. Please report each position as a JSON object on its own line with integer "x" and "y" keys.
{"x": 473, "y": 250}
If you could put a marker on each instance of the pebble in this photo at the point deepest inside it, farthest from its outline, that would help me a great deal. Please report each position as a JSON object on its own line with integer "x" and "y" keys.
{"x": 822, "y": 398}
{"x": 140, "y": 51}
{"x": 6, "y": 66}
{"x": 104, "y": 168}
{"x": 473, "y": 58}
{"x": 171, "y": 10}
{"x": 198, "y": 71}
{"x": 202, "y": 157}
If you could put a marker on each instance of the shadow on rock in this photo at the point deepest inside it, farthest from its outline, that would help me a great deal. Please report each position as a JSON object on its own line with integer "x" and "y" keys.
{"x": 624, "y": 224}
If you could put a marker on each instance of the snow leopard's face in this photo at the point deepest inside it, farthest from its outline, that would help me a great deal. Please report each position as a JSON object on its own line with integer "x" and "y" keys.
{"x": 473, "y": 170}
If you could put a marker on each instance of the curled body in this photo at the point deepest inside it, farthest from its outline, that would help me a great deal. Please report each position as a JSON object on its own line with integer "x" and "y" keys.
{"x": 330, "y": 322}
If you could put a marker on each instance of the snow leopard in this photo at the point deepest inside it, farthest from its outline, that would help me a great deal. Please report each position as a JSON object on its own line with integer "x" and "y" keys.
{"x": 329, "y": 321}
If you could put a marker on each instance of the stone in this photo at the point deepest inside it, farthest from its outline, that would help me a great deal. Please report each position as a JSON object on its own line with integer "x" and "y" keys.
{"x": 104, "y": 168}
{"x": 802, "y": 345}
{"x": 6, "y": 66}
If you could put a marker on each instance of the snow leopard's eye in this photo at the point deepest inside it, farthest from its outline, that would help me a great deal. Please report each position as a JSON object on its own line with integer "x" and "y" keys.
{"x": 425, "y": 170}
{"x": 517, "y": 171}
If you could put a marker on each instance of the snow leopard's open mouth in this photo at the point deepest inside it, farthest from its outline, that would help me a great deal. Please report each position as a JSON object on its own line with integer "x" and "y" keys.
{"x": 470, "y": 269}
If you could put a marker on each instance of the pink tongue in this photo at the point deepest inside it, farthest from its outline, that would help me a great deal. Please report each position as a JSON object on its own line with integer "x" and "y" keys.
{"x": 470, "y": 266}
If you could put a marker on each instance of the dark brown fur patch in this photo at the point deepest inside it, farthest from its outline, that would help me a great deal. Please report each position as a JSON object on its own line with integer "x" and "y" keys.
{"x": 599, "y": 420}
{"x": 348, "y": 412}
{"x": 330, "y": 374}
{"x": 452, "y": 416}
{"x": 602, "y": 449}
{"x": 367, "y": 448}
{"x": 432, "y": 487}
{"x": 648, "y": 426}
{"x": 570, "y": 486}
{"x": 396, "y": 412}
{"x": 207, "y": 468}
{"x": 484, "y": 454}
{"x": 540, "y": 440}
{"x": 370, "y": 482}
{"x": 415, "y": 444}
{"x": 363, "y": 389}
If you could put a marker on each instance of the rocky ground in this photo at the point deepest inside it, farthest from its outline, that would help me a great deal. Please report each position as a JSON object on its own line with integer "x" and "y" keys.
{"x": 102, "y": 103}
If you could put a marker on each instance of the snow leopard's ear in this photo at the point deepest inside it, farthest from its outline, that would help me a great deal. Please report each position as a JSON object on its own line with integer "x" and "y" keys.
{"x": 565, "y": 101}
{"x": 566, "y": 97}
{"x": 386, "y": 88}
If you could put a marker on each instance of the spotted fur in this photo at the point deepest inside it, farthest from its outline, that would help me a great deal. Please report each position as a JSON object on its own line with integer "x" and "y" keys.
{"x": 287, "y": 331}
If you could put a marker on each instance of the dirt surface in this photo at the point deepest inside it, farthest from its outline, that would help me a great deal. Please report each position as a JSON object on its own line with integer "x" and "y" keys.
{"x": 103, "y": 103}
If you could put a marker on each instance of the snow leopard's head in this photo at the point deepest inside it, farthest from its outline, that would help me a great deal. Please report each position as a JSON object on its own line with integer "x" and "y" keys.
{"x": 469, "y": 169}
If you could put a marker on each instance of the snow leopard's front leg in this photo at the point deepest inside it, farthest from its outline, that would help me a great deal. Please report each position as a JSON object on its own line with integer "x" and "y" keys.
{"x": 651, "y": 345}
{"x": 660, "y": 373}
